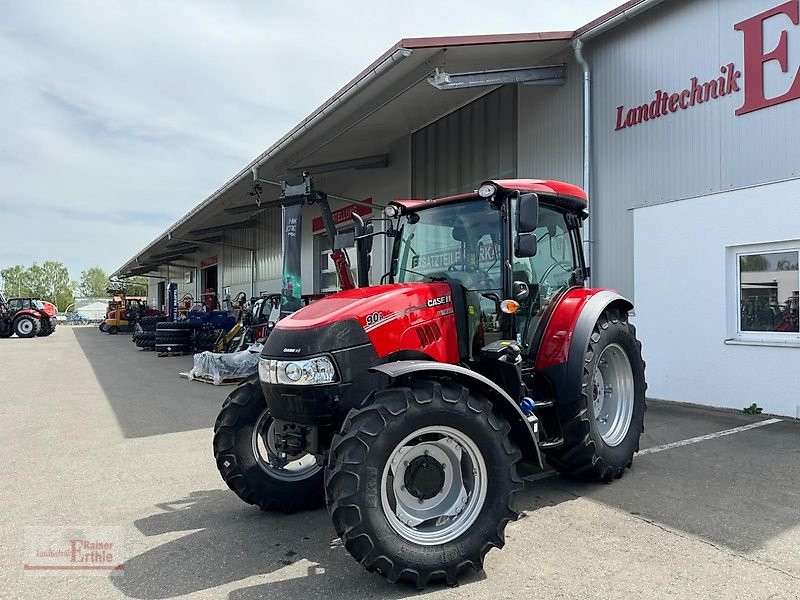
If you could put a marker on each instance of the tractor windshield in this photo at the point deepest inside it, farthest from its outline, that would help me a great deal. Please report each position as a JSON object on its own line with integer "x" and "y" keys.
{"x": 459, "y": 241}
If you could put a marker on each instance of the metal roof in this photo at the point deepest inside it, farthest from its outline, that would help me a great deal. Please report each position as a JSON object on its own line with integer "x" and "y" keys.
{"x": 386, "y": 101}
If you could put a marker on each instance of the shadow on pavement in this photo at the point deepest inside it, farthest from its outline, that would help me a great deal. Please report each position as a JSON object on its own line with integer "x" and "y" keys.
{"x": 234, "y": 541}
{"x": 145, "y": 392}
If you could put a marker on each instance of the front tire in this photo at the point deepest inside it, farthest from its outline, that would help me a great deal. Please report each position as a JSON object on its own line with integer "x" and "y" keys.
{"x": 387, "y": 483}
{"x": 113, "y": 330}
{"x": 249, "y": 465}
{"x": 602, "y": 427}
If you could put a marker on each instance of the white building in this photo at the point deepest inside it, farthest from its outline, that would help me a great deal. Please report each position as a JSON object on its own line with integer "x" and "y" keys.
{"x": 693, "y": 172}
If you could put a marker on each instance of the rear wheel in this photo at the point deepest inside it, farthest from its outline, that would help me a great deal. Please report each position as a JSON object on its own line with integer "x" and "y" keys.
{"x": 25, "y": 326}
{"x": 420, "y": 482}
{"x": 249, "y": 462}
{"x": 103, "y": 327}
{"x": 602, "y": 427}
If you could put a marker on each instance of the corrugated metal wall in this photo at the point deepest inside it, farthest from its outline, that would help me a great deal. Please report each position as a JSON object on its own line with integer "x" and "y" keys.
{"x": 692, "y": 152}
{"x": 551, "y": 128}
{"x": 474, "y": 143}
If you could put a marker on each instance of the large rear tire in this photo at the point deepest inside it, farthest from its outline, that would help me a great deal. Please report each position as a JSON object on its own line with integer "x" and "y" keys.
{"x": 25, "y": 326}
{"x": 602, "y": 427}
{"x": 250, "y": 466}
{"x": 420, "y": 482}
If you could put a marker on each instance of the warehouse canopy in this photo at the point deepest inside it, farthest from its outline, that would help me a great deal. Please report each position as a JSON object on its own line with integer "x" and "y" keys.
{"x": 388, "y": 100}
{"x": 391, "y": 98}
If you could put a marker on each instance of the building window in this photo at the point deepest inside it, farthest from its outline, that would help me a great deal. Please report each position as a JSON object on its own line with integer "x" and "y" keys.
{"x": 767, "y": 280}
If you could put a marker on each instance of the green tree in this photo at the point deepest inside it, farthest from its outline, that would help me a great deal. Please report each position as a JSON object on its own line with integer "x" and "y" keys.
{"x": 130, "y": 286}
{"x": 754, "y": 262}
{"x": 15, "y": 281}
{"x": 93, "y": 283}
{"x": 49, "y": 281}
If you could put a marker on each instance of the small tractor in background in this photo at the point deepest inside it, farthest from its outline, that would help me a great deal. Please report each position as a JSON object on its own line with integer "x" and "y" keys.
{"x": 26, "y": 317}
{"x": 411, "y": 408}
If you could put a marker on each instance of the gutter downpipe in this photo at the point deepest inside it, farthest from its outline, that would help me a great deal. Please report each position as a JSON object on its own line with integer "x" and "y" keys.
{"x": 577, "y": 45}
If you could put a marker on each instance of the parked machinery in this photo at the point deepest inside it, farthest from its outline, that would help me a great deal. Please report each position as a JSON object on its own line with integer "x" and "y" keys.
{"x": 26, "y": 317}
{"x": 409, "y": 407}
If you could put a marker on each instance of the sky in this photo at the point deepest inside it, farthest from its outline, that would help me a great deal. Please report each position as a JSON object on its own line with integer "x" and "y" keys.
{"x": 116, "y": 118}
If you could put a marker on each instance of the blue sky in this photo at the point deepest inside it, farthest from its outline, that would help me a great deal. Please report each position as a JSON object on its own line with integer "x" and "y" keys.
{"x": 118, "y": 117}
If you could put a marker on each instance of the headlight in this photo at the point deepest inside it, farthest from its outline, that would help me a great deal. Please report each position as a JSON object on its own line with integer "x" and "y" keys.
{"x": 313, "y": 371}
{"x": 391, "y": 211}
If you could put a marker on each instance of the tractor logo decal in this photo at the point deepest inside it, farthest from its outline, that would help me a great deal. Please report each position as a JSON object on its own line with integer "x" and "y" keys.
{"x": 374, "y": 321}
{"x": 439, "y": 301}
{"x": 374, "y": 318}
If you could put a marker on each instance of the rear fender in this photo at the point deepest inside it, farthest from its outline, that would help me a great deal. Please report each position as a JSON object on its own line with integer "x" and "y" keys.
{"x": 523, "y": 432}
{"x": 29, "y": 312}
{"x": 564, "y": 368}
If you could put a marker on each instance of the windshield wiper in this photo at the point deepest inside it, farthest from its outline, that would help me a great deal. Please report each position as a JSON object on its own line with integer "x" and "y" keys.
{"x": 429, "y": 277}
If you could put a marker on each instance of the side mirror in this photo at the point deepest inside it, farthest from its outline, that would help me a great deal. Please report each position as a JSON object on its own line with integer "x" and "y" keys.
{"x": 520, "y": 291}
{"x": 527, "y": 222}
{"x": 527, "y": 213}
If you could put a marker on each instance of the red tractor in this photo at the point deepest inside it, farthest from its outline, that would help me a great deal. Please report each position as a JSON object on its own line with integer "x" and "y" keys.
{"x": 411, "y": 408}
{"x": 27, "y": 317}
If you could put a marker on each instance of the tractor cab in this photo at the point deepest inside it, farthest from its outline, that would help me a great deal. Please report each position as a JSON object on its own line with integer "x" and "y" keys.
{"x": 511, "y": 252}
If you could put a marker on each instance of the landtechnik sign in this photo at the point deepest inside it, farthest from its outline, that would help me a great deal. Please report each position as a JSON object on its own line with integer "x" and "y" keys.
{"x": 729, "y": 81}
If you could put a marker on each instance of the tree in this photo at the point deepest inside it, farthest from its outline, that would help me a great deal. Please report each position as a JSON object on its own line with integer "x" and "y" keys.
{"x": 754, "y": 262}
{"x": 130, "y": 286}
{"x": 49, "y": 281}
{"x": 93, "y": 283}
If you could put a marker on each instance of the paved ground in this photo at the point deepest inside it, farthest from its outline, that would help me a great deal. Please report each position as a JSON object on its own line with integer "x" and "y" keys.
{"x": 102, "y": 434}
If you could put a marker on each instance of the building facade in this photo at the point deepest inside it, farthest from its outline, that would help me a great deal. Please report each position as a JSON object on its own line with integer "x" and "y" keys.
{"x": 693, "y": 175}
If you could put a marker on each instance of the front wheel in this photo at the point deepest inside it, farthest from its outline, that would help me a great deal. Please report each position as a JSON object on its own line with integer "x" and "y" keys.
{"x": 251, "y": 465}
{"x": 420, "y": 482}
{"x": 602, "y": 427}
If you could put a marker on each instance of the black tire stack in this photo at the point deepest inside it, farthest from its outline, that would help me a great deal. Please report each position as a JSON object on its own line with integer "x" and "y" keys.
{"x": 174, "y": 337}
{"x": 145, "y": 334}
{"x": 205, "y": 338}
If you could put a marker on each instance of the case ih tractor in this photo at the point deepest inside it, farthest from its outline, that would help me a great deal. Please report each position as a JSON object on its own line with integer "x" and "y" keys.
{"x": 27, "y": 317}
{"x": 410, "y": 408}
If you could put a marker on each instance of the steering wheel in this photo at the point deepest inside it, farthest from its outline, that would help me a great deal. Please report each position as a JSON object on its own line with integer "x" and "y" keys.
{"x": 470, "y": 268}
{"x": 566, "y": 266}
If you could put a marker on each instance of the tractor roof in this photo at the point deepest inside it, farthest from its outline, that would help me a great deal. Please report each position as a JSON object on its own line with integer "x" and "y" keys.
{"x": 575, "y": 196}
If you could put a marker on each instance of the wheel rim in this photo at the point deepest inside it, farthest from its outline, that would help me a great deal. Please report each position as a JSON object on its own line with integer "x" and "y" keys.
{"x": 613, "y": 394}
{"x": 25, "y": 326}
{"x": 268, "y": 458}
{"x": 438, "y": 516}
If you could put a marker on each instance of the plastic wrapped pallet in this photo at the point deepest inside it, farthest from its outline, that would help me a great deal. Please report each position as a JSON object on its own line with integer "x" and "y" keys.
{"x": 218, "y": 368}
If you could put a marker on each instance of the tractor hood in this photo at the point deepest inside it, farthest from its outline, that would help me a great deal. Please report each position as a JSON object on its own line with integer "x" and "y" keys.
{"x": 403, "y": 317}
{"x": 370, "y": 306}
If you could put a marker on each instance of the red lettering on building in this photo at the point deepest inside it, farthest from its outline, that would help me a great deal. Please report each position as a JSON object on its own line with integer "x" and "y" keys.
{"x": 755, "y": 58}
{"x": 665, "y": 103}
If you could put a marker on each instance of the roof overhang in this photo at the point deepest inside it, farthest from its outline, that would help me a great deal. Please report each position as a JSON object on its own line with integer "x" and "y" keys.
{"x": 388, "y": 100}
{"x": 356, "y": 127}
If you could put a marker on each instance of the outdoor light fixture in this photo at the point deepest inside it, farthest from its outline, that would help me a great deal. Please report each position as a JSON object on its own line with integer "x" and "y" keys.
{"x": 487, "y": 190}
{"x": 547, "y": 75}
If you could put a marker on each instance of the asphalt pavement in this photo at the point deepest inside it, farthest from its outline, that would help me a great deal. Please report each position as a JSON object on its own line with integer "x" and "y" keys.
{"x": 98, "y": 433}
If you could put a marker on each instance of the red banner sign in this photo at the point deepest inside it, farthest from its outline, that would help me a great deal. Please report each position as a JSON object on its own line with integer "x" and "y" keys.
{"x": 343, "y": 215}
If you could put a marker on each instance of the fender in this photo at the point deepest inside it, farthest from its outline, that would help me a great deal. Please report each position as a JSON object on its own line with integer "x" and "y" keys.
{"x": 525, "y": 431}
{"x": 567, "y": 335}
